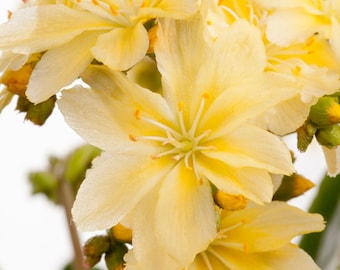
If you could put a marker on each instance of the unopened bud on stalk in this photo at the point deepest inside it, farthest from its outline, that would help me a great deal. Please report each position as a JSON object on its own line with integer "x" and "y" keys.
{"x": 94, "y": 248}
{"x": 230, "y": 202}
{"x": 122, "y": 234}
{"x": 325, "y": 112}
{"x": 114, "y": 257}
{"x": 329, "y": 136}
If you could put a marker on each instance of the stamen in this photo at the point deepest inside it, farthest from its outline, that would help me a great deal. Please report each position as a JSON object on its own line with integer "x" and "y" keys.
{"x": 231, "y": 12}
{"x": 181, "y": 120}
{"x": 132, "y": 138}
{"x": 194, "y": 125}
{"x": 95, "y": 2}
{"x": 246, "y": 248}
{"x": 160, "y": 125}
{"x": 169, "y": 152}
{"x": 113, "y": 10}
{"x": 137, "y": 114}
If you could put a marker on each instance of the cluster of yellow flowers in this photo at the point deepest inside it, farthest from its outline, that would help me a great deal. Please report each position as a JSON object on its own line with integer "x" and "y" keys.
{"x": 186, "y": 98}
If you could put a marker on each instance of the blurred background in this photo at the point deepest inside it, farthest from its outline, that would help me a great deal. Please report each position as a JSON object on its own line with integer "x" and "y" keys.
{"x": 33, "y": 231}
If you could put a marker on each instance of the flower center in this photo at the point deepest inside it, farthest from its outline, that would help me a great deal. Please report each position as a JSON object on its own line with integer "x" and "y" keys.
{"x": 181, "y": 144}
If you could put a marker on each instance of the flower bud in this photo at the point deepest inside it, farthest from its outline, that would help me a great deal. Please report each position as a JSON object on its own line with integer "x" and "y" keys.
{"x": 230, "y": 202}
{"x": 94, "y": 248}
{"x": 305, "y": 135}
{"x": 114, "y": 257}
{"x": 325, "y": 112}
{"x": 329, "y": 136}
{"x": 291, "y": 187}
{"x": 122, "y": 234}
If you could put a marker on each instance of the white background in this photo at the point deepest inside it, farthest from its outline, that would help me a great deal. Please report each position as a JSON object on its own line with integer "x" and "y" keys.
{"x": 33, "y": 232}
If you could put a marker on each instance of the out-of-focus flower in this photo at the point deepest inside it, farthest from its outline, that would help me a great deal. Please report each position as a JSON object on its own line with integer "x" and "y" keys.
{"x": 197, "y": 134}
{"x": 258, "y": 238}
{"x": 76, "y": 32}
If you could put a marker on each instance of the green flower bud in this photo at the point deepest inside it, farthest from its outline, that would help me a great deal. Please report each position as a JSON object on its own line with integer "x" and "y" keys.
{"x": 44, "y": 182}
{"x": 325, "y": 112}
{"x": 329, "y": 136}
{"x": 114, "y": 257}
{"x": 36, "y": 113}
{"x": 94, "y": 248}
{"x": 305, "y": 135}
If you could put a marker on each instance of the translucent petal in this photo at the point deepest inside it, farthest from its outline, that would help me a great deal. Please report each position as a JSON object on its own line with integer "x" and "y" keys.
{"x": 287, "y": 257}
{"x": 254, "y": 184}
{"x": 185, "y": 215}
{"x": 114, "y": 185}
{"x": 145, "y": 240}
{"x": 286, "y": 27}
{"x": 116, "y": 102}
{"x": 60, "y": 67}
{"x": 122, "y": 47}
{"x": 248, "y": 99}
{"x": 249, "y": 146}
{"x": 269, "y": 227}
{"x": 39, "y": 28}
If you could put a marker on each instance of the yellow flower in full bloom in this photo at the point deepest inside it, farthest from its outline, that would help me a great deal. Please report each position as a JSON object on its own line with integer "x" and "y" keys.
{"x": 75, "y": 33}
{"x": 258, "y": 238}
{"x": 176, "y": 144}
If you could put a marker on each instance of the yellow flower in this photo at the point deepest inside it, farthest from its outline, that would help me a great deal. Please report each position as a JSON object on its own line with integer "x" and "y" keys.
{"x": 177, "y": 144}
{"x": 74, "y": 33}
{"x": 258, "y": 238}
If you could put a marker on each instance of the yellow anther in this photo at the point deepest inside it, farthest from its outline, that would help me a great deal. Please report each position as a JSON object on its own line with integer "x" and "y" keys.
{"x": 206, "y": 96}
{"x": 137, "y": 114}
{"x": 188, "y": 168}
{"x": 296, "y": 71}
{"x": 113, "y": 10}
{"x": 181, "y": 106}
{"x": 132, "y": 138}
{"x": 209, "y": 22}
{"x": 95, "y": 2}
{"x": 243, "y": 221}
{"x": 310, "y": 41}
{"x": 246, "y": 247}
{"x": 145, "y": 3}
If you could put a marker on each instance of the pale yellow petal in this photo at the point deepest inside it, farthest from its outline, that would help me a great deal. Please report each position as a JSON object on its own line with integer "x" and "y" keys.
{"x": 122, "y": 47}
{"x": 335, "y": 37}
{"x": 185, "y": 215}
{"x": 254, "y": 184}
{"x": 249, "y": 146}
{"x": 332, "y": 157}
{"x": 181, "y": 54}
{"x": 286, "y": 27}
{"x": 39, "y": 28}
{"x": 269, "y": 227}
{"x": 287, "y": 116}
{"x": 287, "y": 257}
{"x": 145, "y": 240}
{"x": 189, "y": 64}
{"x": 114, "y": 185}
{"x": 177, "y": 9}
{"x": 247, "y": 100}
{"x": 59, "y": 67}
{"x": 115, "y": 104}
